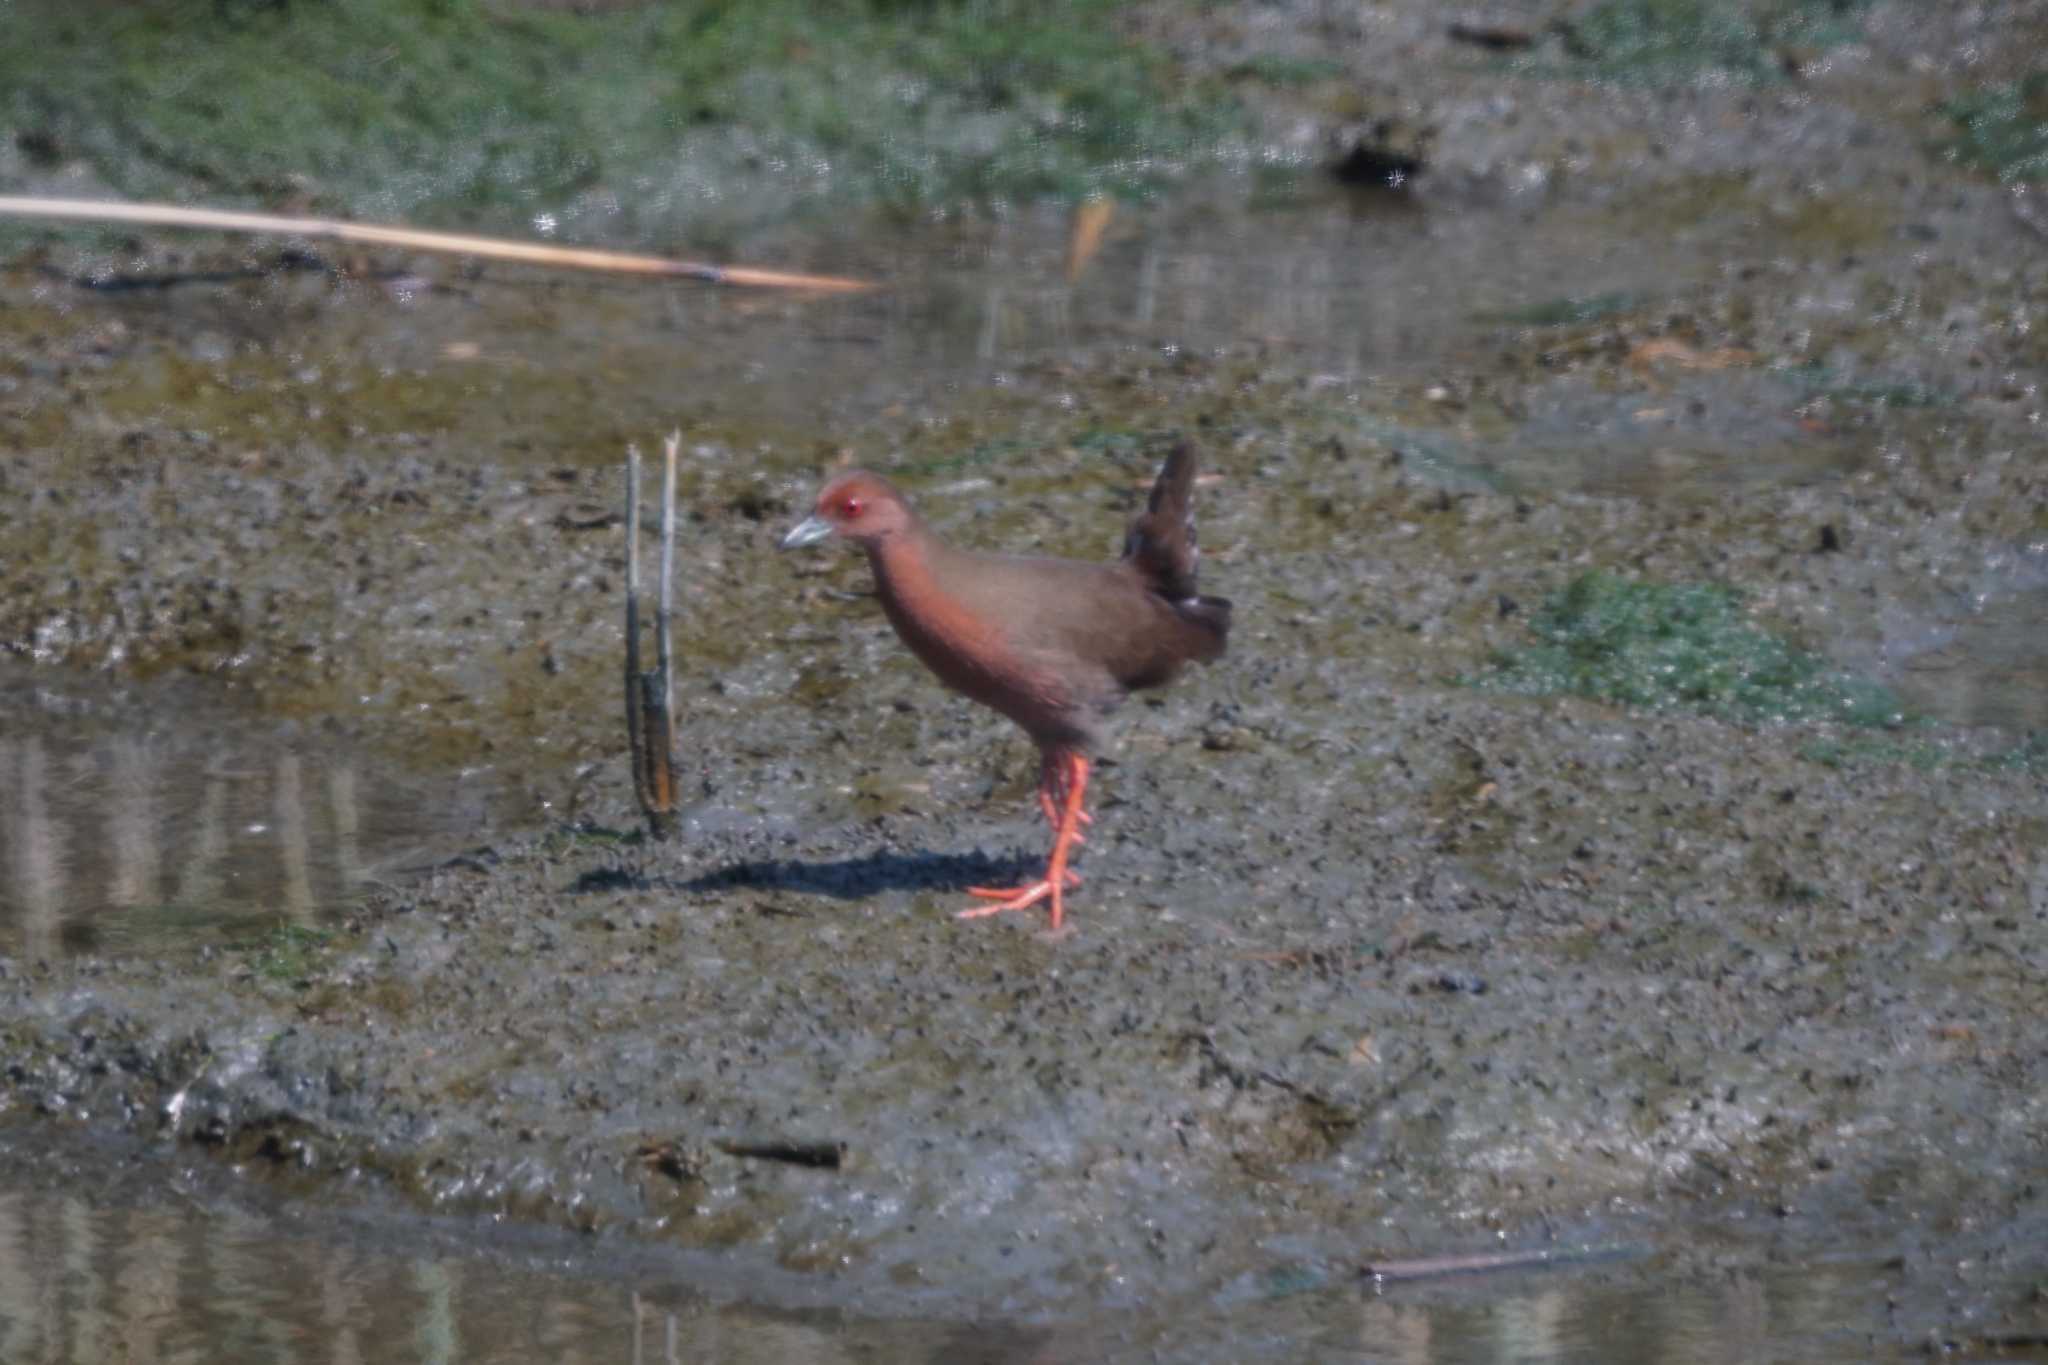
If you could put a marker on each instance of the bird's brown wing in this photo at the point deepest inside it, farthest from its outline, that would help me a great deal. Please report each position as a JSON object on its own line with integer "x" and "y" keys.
{"x": 1160, "y": 543}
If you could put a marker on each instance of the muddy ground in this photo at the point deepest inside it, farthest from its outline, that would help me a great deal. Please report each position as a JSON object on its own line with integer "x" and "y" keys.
{"x": 1368, "y": 962}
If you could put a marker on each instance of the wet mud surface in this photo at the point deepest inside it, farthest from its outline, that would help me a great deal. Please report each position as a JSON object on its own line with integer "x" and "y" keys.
{"x": 1368, "y": 962}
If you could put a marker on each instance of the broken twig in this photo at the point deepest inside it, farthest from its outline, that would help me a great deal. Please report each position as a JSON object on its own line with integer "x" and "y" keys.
{"x": 455, "y": 243}
{"x": 824, "y": 1156}
{"x": 1433, "y": 1267}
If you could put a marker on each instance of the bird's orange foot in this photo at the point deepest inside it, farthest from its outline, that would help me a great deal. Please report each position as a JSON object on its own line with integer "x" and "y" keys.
{"x": 1022, "y": 897}
{"x": 1009, "y": 898}
{"x": 1063, "y": 785}
{"x": 1029, "y": 894}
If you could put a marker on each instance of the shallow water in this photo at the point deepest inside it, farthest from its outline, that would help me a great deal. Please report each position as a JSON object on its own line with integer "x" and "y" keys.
{"x": 142, "y": 814}
{"x": 1983, "y": 660}
{"x": 80, "y": 1281}
{"x": 180, "y": 1275}
{"x": 1348, "y": 288}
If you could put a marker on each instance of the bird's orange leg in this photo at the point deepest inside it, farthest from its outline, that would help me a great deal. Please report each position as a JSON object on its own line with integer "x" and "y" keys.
{"x": 1052, "y": 796}
{"x": 1072, "y": 775}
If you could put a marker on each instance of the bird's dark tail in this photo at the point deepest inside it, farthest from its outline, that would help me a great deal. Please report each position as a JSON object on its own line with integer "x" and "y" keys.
{"x": 1160, "y": 547}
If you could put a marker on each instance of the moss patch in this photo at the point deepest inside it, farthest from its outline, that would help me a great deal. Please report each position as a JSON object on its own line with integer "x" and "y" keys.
{"x": 2028, "y": 756}
{"x": 1851, "y": 753}
{"x": 2003, "y": 129}
{"x": 1687, "y": 645}
{"x": 288, "y": 952}
{"x": 1663, "y": 40}
{"x": 1825, "y": 382}
{"x": 1567, "y": 312}
{"x": 460, "y": 111}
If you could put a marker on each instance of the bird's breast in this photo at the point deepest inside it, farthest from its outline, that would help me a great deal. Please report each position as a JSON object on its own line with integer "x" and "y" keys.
{"x": 972, "y": 646}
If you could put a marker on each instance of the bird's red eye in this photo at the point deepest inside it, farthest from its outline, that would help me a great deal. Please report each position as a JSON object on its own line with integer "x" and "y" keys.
{"x": 850, "y": 508}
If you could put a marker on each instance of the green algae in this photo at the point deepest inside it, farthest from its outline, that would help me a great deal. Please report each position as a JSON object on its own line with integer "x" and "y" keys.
{"x": 2028, "y": 756}
{"x": 1849, "y": 753}
{"x": 1689, "y": 646}
{"x": 1657, "y": 41}
{"x": 1571, "y": 311}
{"x": 1825, "y": 382}
{"x": 457, "y": 111}
{"x": 289, "y": 952}
{"x": 2003, "y": 129}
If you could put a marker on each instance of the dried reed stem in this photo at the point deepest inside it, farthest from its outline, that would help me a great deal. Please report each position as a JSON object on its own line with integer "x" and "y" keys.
{"x": 462, "y": 244}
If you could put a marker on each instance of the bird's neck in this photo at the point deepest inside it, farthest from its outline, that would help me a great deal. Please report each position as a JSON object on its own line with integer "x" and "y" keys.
{"x": 908, "y": 567}
{"x": 911, "y": 572}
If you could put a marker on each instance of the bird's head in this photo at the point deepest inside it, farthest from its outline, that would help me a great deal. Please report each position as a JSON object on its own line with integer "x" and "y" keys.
{"x": 858, "y": 505}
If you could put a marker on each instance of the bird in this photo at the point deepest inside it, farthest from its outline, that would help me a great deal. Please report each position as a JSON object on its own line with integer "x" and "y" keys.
{"x": 1054, "y": 644}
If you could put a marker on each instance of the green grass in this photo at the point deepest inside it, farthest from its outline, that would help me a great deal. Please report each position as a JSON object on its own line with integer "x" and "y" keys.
{"x": 1569, "y": 311}
{"x": 980, "y": 453}
{"x": 460, "y": 111}
{"x": 288, "y": 952}
{"x": 2003, "y": 129}
{"x": 1112, "y": 442}
{"x": 1659, "y": 646}
{"x": 1851, "y": 753}
{"x": 1822, "y": 381}
{"x": 1654, "y": 41}
{"x": 2028, "y": 756}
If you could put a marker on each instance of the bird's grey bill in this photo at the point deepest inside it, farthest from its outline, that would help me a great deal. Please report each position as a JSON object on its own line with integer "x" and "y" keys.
{"x": 809, "y": 531}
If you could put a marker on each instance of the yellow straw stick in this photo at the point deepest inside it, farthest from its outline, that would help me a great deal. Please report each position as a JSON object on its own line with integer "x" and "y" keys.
{"x": 495, "y": 248}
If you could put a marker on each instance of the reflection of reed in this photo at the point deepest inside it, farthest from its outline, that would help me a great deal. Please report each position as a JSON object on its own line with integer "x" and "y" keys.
{"x": 246, "y": 1275}
{"x": 1333, "y": 289}
{"x": 437, "y": 1337}
{"x": 1534, "y": 1326}
{"x": 35, "y": 853}
{"x": 145, "y": 1284}
{"x": 341, "y": 804}
{"x": 200, "y": 883}
{"x": 86, "y": 1302}
{"x": 289, "y": 802}
{"x": 80, "y": 1282}
{"x": 343, "y": 1308}
{"x": 1148, "y": 286}
{"x": 1397, "y": 1333}
{"x": 991, "y": 324}
{"x": 133, "y": 828}
{"x": 1743, "y": 1330}
{"x": 143, "y": 832}
{"x": 19, "y": 1290}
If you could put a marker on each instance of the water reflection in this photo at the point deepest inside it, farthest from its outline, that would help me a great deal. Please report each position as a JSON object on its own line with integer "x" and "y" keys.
{"x": 1830, "y": 1312}
{"x": 1340, "y": 290}
{"x": 82, "y": 1280}
{"x": 1343, "y": 287}
{"x": 169, "y": 1283}
{"x": 141, "y": 811}
{"x": 1983, "y": 663}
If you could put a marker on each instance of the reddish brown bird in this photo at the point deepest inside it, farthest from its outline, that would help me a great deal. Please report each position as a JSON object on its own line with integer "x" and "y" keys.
{"x": 1054, "y": 644}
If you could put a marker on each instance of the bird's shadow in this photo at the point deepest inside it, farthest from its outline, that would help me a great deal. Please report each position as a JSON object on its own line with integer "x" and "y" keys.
{"x": 843, "y": 878}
